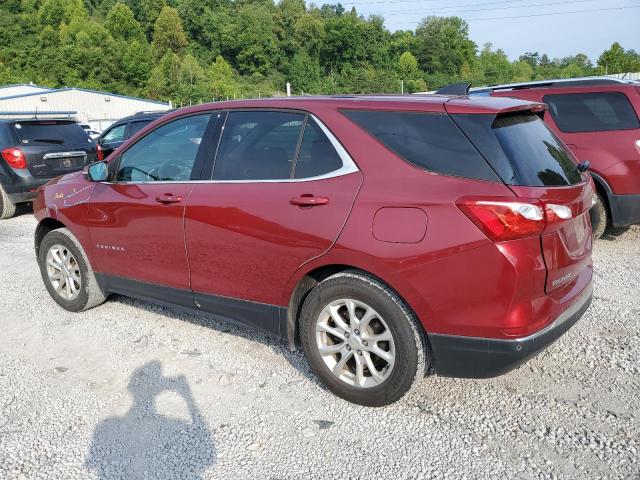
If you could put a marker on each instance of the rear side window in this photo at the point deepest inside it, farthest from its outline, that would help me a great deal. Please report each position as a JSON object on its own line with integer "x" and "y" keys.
{"x": 592, "y": 112}
{"x": 521, "y": 148}
{"x": 317, "y": 155}
{"x": 135, "y": 127}
{"x": 428, "y": 140}
{"x": 51, "y": 133}
{"x": 258, "y": 146}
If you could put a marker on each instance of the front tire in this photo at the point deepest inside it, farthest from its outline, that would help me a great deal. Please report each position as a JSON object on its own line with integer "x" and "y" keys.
{"x": 362, "y": 340}
{"x": 7, "y": 207}
{"x": 66, "y": 272}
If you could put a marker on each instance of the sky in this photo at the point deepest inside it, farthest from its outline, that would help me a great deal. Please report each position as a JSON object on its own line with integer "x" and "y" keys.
{"x": 542, "y": 26}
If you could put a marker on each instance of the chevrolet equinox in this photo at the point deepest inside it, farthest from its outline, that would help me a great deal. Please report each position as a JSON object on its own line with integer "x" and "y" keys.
{"x": 388, "y": 236}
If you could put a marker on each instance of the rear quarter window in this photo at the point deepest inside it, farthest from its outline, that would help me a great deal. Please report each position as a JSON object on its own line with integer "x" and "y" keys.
{"x": 431, "y": 141}
{"x": 592, "y": 112}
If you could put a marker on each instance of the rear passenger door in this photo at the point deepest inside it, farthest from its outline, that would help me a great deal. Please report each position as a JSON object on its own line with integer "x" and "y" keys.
{"x": 281, "y": 189}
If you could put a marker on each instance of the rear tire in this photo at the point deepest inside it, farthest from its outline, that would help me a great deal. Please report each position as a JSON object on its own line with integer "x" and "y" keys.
{"x": 66, "y": 272}
{"x": 7, "y": 207}
{"x": 600, "y": 217}
{"x": 373, "y": 367}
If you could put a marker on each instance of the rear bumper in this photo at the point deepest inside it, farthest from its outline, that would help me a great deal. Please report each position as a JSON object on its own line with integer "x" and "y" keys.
{"x": 625, "y": 209}
{"x": 473, "y": 357}
{"x": 22, "y": 187}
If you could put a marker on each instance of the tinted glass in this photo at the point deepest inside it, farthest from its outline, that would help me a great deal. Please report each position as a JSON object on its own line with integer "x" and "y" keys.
{"x": 116, "y": 134}
{"x": 538, "y": 157}
{"x": 592, "y": 112}
{"x": 317, "y": 155}
{"x": 258, "y": 146}
{"x": 168, "y": 153}
{"x": 135, "y": 127}
{"x": 428, "y": 140}
{"x": 51, "y": 133}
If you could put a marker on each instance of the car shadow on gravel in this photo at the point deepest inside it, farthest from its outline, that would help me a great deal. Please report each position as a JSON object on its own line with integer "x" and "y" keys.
{"x": 145, "y": 444}
{"x": 296, "y": 358}
{"x": 23, "y": 209}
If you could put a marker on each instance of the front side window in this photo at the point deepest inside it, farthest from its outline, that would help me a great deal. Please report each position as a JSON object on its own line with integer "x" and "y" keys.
{"x": 116, "y": 134}
{"x": 258, "y": 145}
{"x": 168, "y": 153}
{"x": 592, "y": 112}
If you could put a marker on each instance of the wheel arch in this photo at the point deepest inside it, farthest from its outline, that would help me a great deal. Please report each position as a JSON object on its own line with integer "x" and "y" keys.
{"x": 45, "y": 226}
{"x": 313, "y": 276}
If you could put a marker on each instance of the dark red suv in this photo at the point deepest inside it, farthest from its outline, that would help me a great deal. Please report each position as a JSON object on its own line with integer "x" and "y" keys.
{"x": 388, "y": 235}
{"x": 598, "y": 118}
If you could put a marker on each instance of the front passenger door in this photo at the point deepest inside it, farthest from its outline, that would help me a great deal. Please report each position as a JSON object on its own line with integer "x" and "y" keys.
{"x": 136, "y": 219}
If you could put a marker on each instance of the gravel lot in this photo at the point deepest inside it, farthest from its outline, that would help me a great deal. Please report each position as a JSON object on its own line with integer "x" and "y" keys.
{"x": 132, "y": 390}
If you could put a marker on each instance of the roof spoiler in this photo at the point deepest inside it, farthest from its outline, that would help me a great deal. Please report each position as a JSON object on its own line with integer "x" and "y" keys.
{"x": 461, "y": 88}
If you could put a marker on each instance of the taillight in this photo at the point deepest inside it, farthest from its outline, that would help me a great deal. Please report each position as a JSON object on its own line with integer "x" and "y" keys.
{"x": 14, "y": 157}
{"x": 507, "y": 219}
{"x": 99, "y": 153}
{"x": 638, "y": 145}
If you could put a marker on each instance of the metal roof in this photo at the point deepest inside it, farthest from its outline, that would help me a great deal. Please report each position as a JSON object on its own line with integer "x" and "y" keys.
{"x": 69, "y": 89}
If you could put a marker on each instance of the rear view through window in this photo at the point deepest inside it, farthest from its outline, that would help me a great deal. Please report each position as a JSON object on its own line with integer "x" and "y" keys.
{"x": 51, "y": 133}
{"x": 592, "y": 112}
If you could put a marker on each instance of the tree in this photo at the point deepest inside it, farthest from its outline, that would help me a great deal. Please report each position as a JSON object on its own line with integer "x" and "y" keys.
{"x": 168, "y": 35}
{"x": 164, "y": 77}
{"x": 147, "y": 12}
{"x": 409, "y": 73}
{"x": 617, "y": 60}
{"x": 304, "y": 73}
{"x": 54, "y": 12}
{"x": 122, "y": 24}
{"x": 221, "y": 79}
{"x": 443, "y": 45}
{"x": 495, "y": 65}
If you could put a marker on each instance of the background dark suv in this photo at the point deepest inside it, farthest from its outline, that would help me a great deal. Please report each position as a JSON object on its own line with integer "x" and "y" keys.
{"x": 33, "y": 151}
{"x": 122, "y": 130}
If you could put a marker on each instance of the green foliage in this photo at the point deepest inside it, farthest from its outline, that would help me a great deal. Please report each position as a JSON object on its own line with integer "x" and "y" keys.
{"x": 189, "y": 51}
{"x": 168, "y": 35}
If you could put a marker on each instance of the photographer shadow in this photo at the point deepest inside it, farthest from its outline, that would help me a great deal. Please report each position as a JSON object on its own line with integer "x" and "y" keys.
{"x": 143, "y": 444}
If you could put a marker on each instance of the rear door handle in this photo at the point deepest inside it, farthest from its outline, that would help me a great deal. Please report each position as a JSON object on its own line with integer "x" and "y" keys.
{"x": 308, "y": 200}
{"x": 167, "y": 198}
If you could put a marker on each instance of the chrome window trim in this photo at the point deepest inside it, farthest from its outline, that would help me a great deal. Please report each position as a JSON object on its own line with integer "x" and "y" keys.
{"x": 348, "y": 166}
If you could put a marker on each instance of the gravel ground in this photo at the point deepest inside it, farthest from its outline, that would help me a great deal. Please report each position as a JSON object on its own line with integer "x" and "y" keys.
{"x": 133, "y": 390}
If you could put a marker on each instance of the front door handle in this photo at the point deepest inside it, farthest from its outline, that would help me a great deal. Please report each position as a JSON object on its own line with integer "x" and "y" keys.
{"x": 308, "y": 200}
{"x": 167, "y": 198}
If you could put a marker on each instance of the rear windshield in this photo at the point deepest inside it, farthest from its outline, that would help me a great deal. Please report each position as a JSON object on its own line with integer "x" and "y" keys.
{"x": 51, "y": 133}
{"x": 592, "y": 112}
{"x": 431, "y": 141}
{"x": 537, "y": 155}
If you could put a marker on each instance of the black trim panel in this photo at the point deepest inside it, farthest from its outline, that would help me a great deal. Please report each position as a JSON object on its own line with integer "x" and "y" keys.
{"x": 473, "y": 357}
{"x": 262, "y": 316}
{"x": 625, "y": 210}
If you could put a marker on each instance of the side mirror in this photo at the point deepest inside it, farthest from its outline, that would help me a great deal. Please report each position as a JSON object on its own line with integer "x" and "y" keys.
{"x": 98, "y": 172}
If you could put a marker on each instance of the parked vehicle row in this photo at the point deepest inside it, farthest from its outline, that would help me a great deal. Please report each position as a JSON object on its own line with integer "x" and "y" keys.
{"x": 385, "y": 235}
{"x": 598, "y": 119}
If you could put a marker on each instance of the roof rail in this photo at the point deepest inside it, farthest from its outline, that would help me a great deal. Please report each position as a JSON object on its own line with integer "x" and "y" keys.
{"x": 558, "y": 82}
{"x": 461, "y": 88}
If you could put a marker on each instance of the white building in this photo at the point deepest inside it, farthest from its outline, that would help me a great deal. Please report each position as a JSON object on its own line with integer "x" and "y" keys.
{"x": 98, "y": 109}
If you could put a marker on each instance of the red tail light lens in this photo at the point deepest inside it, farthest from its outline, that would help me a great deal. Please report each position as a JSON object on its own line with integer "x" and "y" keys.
{"x": 505, "y": 219}
{"x": 14, "y": 157}
{"x": 99, "y": 153}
